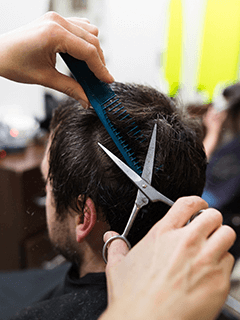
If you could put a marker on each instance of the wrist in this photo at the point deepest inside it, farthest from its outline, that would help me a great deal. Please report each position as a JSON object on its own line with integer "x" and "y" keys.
{"x": 123, "y": 309}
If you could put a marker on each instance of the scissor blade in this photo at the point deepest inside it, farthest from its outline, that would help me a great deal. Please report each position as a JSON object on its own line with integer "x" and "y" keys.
{"x": 143, "y": 185}
{"x": 149, "y": 161}
{"x": 141, "y": 199}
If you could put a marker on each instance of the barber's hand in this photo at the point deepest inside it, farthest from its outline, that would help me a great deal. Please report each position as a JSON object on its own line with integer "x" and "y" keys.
{"x": 28, "y": 54}
{"x": 175, "y": 271}
{"x": 213, "y": 120}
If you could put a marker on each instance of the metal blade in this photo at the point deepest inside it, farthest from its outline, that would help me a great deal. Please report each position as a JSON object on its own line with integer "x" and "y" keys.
{"x": 127, "y": 170}
{"x": 141, "y": 199}
{"x": 143, "y": 185}
{"x": 149, "y": 161}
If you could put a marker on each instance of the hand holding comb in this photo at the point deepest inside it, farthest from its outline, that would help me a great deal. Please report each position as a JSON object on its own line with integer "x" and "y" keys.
{"x": 104, "y": 101}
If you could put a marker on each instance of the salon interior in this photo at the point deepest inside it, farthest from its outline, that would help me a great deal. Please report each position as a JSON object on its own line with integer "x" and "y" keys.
{"x": 187, "y": 49}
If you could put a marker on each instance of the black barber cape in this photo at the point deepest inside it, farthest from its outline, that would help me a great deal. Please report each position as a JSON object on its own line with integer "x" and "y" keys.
{"x": 74, "y": 299}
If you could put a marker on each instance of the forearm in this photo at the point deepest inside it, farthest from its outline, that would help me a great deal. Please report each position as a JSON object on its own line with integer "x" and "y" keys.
{"x": 210, "y": 143}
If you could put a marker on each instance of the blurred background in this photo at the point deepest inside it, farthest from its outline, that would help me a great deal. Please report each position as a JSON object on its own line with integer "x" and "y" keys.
{"x": 187, "y": 49}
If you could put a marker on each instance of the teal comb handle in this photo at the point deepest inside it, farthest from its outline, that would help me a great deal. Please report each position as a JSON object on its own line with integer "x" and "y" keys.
{"x": 99, "y": 94}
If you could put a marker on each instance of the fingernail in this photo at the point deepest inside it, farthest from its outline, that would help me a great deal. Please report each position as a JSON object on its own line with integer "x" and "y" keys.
{"x": 111, "y": 79}
{"x": 83, "y": 103}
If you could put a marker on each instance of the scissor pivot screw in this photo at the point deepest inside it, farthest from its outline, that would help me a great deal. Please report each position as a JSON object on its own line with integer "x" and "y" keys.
{"x": 144, "y": 186}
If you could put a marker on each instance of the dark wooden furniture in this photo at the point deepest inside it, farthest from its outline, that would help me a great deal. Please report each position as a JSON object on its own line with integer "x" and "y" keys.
{"x": 23, "y": 236}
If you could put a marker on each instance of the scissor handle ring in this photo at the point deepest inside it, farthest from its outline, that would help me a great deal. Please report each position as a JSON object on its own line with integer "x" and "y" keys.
{"x": 105, "y": 247}
{"x": 194, "y": 216}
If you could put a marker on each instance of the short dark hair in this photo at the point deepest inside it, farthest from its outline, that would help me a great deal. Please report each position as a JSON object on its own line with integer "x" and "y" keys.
{"x": 77, "y": 165}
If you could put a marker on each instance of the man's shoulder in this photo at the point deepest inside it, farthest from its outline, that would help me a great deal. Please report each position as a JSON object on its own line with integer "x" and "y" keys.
{"x": 84, "y": 298}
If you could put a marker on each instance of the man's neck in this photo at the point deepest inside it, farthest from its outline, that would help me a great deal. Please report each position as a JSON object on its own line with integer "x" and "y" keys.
{"x": 92, "y": 262}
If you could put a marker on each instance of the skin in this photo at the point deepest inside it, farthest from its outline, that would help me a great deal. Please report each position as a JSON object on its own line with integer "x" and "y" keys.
{"x": 213, "y": 122}
{"x": 78, "y": 237}
{"x": 28, "y": 54}
{"x": 176, "y": 271}
{"x": 174, "y": 265}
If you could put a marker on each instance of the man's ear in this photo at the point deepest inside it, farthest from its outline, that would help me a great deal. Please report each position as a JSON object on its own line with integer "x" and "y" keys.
{"x": 86, "y": 223}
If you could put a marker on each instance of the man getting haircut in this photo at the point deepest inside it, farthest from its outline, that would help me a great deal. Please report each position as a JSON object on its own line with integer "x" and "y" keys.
{"x": 87, "y": 194}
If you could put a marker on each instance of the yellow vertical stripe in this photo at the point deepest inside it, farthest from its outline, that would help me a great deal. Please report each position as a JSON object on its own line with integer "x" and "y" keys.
{"x": 173, "y": 55}
{"x": 220, "y": 44}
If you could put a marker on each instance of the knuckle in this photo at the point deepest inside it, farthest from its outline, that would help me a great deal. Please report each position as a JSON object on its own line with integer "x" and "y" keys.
{"x": 94, "y": 30}
{"x": 52, "y": 26}
{"x": 91, "y": 50}
{"x": 69, "y": 91}
{"x": 215, "y": 216}
{"x": 230, "y": 233}
{"x": 86, "y": 20}
{"x": 52, "y": 16}
{"x": 189, "y": 202}
{"x": 50, "y": 31}
{"x": 93, "y": 40}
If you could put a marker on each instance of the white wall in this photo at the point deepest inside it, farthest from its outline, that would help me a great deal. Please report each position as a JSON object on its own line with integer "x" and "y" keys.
{"x": 193, "y": 22}
{"x": 136, "y": 39}
{"x": 13, "y": 14}
{"x": 134, "y": 35}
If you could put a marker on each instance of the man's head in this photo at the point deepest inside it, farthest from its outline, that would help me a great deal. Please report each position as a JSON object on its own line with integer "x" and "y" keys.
{"x": 81, "y": 175}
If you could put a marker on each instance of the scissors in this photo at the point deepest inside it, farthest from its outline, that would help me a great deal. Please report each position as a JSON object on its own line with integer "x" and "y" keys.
{"x": 145, "y": 191}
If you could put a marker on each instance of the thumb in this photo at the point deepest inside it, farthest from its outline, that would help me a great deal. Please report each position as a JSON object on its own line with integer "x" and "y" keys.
{"x": 117, "y": 249}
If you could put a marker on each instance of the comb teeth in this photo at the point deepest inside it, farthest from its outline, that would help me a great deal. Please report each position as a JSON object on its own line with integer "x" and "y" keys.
{"x": 115, "y": 108}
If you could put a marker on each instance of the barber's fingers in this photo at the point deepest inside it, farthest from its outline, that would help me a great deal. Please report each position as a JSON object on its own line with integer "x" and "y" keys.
{"x": 88, "y": 52}
{"x": 117, "y": 249}
{"x": 80, "y": 27}
{"x": 207, "y": 222}
{"x": 86, "y": 32}
{"x": 67, "y": 85}
{"x": 78, "y": 42}
{"x": 90, "y": 35}
{"x": 84, "y": 23}
{"x": 181, "y": 211}
{"x": 220, "y": 242}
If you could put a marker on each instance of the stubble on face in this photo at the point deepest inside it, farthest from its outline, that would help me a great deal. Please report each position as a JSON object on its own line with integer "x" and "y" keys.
{"x": 61, "y": 232}
{"x": 62, "y": 239}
